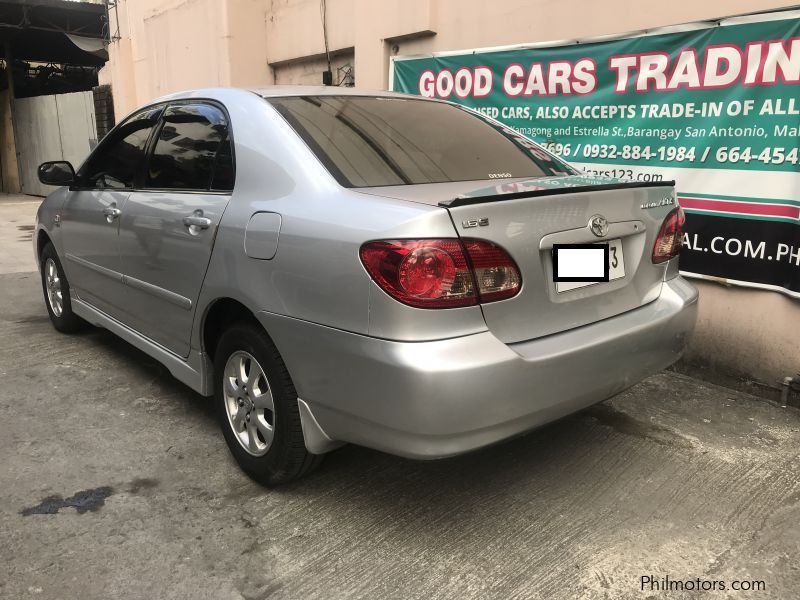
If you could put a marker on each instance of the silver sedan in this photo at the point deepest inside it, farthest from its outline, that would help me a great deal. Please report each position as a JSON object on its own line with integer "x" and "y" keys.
{"x": 339, "y": 266}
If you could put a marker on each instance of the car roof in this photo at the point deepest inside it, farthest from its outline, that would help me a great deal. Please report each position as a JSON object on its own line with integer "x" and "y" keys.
{"x": 274, "y": 91}
{"x": 278, "y": 91}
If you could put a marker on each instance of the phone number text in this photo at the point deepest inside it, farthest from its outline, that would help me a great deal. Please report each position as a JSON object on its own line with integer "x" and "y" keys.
{"x": 723, "y": 154}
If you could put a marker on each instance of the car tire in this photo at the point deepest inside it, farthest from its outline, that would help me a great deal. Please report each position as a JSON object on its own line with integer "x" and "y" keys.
{"x": 245, "y": 355}
{"x": 56, "y": 291}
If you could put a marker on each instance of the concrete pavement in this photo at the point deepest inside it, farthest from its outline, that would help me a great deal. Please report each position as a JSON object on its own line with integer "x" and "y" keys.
{"x": 116, "y": 483}
{"x": 17, "y": 213}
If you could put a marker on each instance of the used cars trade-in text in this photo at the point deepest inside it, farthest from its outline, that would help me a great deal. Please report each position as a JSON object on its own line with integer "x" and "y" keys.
{"x": 339, "y": 266}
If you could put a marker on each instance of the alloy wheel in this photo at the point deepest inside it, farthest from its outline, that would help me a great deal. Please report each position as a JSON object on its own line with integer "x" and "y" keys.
{"x": 55, "y": 295}
{"x": 249, "y": 403}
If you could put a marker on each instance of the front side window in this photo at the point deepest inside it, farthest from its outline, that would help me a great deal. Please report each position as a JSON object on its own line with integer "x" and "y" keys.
{"x": 192, "y": 151}
{"x": 116, "y": 162}
{"x": 376, "y": 141}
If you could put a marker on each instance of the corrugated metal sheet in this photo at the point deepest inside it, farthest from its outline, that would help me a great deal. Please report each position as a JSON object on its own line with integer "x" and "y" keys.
{"x": 60, "y": 127}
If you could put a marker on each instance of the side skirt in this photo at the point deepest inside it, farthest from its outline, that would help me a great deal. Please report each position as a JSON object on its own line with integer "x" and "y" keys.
{"x": 196, "y": 372}
{"x": 199, "y": 376}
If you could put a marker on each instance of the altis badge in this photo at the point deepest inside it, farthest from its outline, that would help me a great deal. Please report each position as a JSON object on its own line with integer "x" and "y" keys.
{"x": 665, "y": 201}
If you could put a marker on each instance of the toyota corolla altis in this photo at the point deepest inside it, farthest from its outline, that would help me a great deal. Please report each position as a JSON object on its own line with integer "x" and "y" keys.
{"x": 339, "y": 266}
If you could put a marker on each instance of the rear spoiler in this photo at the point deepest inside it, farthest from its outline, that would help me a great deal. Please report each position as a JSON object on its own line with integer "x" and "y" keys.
{"x": 467, "y": 200}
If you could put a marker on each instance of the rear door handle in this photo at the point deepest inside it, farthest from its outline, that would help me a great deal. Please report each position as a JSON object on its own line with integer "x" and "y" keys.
{"x": 197, "y": 221}
{"x": 111, "y": 213}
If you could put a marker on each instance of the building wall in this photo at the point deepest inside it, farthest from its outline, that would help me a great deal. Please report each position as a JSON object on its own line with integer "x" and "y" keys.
{"x": 742, "y": 331}
{"x": 167, "y": 45}
{"x": 163, "y": 46}
{"x": 308, "y": 71}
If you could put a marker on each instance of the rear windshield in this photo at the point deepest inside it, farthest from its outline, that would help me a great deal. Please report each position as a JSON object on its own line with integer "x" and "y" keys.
{"x": 372, "y": 141}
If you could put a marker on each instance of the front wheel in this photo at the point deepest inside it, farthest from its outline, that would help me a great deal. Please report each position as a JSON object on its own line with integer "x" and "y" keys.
{"x": 57, "y": 293}
{"x": 257, "y": 409}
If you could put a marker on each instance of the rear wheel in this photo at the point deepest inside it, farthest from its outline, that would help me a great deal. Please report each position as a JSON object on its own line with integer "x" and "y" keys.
{"x": 57, "y": 293}
{"x": 257, "y": 409}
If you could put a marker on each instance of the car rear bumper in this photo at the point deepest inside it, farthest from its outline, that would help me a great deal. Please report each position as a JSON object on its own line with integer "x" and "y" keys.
{"x": 446, "y": 397}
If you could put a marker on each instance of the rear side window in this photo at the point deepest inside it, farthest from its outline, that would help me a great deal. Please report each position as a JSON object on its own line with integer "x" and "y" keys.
{"x": 192, "y": 151}
{"x": 373, "y": 141}
{"x": 222, "y": 179}
{"x": 116, "y": 162}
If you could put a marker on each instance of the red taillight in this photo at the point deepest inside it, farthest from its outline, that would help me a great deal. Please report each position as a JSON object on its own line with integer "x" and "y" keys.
{"x": 439, "y": 273}
{"x": 670, "y": 237}
{"x": 422, "y": 273}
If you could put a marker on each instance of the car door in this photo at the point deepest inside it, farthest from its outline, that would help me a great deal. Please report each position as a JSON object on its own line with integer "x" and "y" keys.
{"x": 168, "y": 227}
{"x": 90, "y": 216}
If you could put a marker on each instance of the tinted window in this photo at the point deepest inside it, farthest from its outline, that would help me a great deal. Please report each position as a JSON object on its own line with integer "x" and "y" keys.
{"x": 186, "y": 151}
{"x": 367, "y": 141}
{"x": 223, "y": 168}
{"x": 118, "y": 159}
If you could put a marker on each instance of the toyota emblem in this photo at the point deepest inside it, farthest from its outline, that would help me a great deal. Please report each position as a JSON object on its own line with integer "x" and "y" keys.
{"x": 598, "y": 225}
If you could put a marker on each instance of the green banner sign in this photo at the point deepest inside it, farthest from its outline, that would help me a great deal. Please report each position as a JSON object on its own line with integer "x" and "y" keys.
{"x": 714, "y": 106}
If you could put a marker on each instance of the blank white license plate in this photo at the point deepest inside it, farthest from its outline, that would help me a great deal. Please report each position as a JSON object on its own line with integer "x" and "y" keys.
{"x": 584, "y": 264}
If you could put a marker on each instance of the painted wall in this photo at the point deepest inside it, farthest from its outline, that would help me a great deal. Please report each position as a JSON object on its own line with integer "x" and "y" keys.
{"x": 746, "y": 332}
{"x": 167, "y": 45}
{"x": 163, "y": 46}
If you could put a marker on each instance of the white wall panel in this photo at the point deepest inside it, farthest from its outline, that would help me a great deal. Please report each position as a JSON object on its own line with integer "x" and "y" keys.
{"x": 60, "y": 127}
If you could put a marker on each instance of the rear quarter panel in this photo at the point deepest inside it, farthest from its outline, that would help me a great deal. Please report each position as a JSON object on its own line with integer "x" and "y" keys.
{"x": 316, "y": 274}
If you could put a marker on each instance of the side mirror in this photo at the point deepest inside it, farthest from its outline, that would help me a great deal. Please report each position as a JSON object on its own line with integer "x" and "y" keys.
{"x": 57, "y": 172}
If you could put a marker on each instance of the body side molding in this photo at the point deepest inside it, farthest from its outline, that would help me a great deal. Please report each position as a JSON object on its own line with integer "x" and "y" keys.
{"x": 96, "y": 268}
{"x": 157, "y": 291}
{"x": 138, "y": 284}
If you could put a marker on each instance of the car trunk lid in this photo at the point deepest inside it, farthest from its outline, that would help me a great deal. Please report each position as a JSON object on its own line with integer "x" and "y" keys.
{"x": 526, "y": 217}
